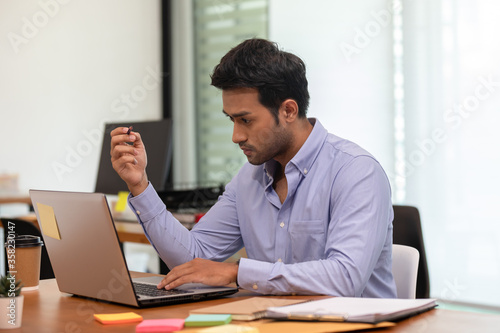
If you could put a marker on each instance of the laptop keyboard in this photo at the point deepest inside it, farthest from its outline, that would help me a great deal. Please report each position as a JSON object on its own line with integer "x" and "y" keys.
{"x": 151, "y": 290}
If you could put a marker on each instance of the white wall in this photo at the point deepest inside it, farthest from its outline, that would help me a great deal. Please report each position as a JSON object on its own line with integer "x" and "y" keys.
{"x": 347, "y": 48}
{"x": 66, "y": 68}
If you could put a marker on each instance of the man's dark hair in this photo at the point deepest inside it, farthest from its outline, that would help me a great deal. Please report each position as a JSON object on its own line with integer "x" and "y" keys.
{"x": 259, "y": 63}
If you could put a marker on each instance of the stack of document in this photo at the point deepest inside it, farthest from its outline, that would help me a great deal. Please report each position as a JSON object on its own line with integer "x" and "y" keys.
{"x": 352, "y": 309}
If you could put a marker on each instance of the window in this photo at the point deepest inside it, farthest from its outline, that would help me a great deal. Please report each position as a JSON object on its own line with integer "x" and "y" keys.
{"x": 416, "y": 83}
{"x": 451, "y": 113}
{"x": 219, "y": 26}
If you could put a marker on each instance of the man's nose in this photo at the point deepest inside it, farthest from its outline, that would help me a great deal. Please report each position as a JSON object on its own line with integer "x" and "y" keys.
{"x": 238, "y": 135}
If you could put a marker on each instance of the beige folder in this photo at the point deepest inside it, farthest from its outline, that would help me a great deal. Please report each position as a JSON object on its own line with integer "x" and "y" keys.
{"x": 249, "y": 308}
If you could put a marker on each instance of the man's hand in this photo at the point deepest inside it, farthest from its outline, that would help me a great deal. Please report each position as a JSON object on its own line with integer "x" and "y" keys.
{"x": 129, "y": 160}
{"x": 200, "y": 271}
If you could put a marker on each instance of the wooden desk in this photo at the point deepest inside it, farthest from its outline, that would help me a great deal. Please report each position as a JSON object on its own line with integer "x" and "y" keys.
{"x": 130, "y": 232}
{"x": 48, "y": 310}
{"x": 15, "y": 198}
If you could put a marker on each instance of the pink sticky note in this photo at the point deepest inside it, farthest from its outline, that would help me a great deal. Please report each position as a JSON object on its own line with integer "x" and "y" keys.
{"x": 160, "y": 325}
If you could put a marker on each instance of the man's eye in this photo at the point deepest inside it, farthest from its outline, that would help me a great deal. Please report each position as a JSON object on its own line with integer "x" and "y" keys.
{"x": 245, "y": 121}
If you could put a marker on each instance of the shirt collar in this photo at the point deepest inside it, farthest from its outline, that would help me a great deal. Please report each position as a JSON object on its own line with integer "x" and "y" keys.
{"x": 305, "y": 157}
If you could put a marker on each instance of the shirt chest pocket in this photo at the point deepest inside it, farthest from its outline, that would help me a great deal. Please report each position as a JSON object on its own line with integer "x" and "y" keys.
{"x": 307, "y": 240}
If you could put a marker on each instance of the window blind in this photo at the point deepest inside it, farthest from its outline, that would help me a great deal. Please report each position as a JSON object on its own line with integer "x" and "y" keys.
{"x": 219, "y": 26}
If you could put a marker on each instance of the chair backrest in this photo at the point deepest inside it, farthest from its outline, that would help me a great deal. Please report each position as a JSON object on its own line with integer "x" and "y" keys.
{"x": 408, "y": 231}
{"x": 404, "y": 269}
{"x": 27, "y": 228}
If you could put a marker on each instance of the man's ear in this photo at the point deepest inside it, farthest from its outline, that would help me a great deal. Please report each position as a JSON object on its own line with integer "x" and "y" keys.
{"x": 290, "y": 110}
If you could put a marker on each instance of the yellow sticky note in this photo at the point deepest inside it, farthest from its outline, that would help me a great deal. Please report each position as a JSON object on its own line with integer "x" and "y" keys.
{"x": 118, "y": 318}
{"x": 48, "y": 221}
{"x": 121, "y": 204}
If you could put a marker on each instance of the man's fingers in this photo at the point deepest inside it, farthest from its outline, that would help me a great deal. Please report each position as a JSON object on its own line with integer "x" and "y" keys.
{"x": 122, "y": 135}
{"x": 119, "y": 130}
{"x": 165, "y": 281}
{"x": 200, "y": 271}
{"x": 170, "y": 282}
{"x": 178, "y": 276}
{"x": 123, "y": 162}
{"x": 176, "y": 283}
{"x": 121, "y": 150}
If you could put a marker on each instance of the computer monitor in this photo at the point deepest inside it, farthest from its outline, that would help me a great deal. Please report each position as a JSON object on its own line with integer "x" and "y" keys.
{"x": 157, "y": 137}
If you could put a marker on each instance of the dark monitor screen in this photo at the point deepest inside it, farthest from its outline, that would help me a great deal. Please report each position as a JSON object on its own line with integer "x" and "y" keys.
{"x": 157, "y": 137}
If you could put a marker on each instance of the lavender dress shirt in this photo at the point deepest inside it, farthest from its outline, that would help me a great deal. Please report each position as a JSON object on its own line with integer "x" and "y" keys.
{"x": 332, "y": 235}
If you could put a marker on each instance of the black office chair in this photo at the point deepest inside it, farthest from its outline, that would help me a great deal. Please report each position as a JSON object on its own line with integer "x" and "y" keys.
{"x": 408, "y": 231}
{"x": 27, "y": 228}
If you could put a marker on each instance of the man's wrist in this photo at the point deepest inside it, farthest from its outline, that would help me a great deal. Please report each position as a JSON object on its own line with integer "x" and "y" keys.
{"x": 139, "y": 188}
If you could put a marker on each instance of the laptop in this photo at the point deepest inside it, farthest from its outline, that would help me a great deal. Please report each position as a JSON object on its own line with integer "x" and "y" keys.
{"x": 87, "y": 259}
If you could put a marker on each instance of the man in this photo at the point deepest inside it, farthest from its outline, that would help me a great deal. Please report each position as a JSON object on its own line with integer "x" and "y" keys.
{"x": 312, "y": 210}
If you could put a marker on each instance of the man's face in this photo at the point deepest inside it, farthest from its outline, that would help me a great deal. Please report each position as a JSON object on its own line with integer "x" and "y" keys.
{"x": 255, "y": 129}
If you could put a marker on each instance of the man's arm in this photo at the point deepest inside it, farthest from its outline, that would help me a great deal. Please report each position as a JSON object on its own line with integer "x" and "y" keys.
{"x": 173, "y": 242}
{"x": 178, "y": 247}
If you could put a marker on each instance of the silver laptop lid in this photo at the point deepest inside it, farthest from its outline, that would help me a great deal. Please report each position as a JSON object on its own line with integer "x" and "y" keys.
{"x": 83, "y": 246}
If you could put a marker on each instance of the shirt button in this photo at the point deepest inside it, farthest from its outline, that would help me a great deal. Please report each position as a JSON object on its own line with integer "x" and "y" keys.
{"x": 255, "y": 286}
{"x": 279, "y": 260}
{"x": 282, "y": 224}
{"x": 305, "y": 171}
{"x": 138, "y": 212}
